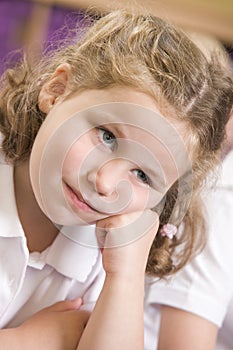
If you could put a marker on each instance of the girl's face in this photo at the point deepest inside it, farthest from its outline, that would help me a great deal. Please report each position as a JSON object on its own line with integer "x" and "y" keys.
{"x": 104, "y": 152}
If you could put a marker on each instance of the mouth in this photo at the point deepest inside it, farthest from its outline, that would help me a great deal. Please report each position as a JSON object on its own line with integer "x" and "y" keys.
{"x": 77, "y": 200}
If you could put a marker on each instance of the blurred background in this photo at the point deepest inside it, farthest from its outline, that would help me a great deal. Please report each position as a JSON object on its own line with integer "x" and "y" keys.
{"x": 33, "y": 24}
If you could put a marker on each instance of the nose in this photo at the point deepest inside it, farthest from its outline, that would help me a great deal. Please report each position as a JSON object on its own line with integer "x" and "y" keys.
{"x": 106, "y": 178}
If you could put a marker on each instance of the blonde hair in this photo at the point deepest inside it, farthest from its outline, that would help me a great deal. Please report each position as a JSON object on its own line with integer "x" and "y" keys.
{"x": 146, "y": 53}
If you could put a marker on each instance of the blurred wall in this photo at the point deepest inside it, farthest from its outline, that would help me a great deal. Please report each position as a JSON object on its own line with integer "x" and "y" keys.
{"x": 30, "y": 24}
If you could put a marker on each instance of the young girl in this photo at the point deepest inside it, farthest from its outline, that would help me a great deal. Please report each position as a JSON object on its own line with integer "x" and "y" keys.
{"x": 117, "y": 132}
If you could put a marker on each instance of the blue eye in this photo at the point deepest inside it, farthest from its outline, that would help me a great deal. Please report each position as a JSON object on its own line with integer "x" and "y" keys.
{"x": 141, "y": 176}
{"x": 107, "y": 138}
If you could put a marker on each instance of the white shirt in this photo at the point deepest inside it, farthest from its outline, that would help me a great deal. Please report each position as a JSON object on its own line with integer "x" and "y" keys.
{"x": 205, "y": 286}
{"x": 30, "y": 282}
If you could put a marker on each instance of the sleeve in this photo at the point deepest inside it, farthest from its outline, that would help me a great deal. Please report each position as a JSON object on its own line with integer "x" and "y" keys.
{"x": 204, "y": 286}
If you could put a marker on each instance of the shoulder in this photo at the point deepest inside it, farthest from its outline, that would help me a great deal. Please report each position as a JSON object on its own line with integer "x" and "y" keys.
{"x": 200, "y": 285}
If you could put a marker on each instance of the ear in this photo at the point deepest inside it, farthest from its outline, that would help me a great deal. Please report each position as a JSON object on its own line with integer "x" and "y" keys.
{"x": 55, "y": 87}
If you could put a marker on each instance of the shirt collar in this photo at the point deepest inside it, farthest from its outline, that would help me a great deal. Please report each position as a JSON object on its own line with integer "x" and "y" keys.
{"x": 10, "y": 225}
{"x": 69, "y": 254}
{"x": 73, "y": 253}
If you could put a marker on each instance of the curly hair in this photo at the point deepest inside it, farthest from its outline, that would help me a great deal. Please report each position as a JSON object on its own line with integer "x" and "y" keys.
{"x": 144, "y": 52}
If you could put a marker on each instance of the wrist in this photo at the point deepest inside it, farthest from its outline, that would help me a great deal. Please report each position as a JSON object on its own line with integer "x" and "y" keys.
{"x": 130, "y": 271}
{"x": 126, "y": 279}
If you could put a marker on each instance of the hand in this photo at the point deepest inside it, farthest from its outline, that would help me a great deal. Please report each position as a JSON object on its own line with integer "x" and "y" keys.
{"x": 58, "y": 327}
{"x": 125, "y": 241}
{"x": 117, "y": 319}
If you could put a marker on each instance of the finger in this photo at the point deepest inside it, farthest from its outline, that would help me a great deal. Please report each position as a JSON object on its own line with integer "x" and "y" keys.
{"x": 66, "y": 305}
{"x": 80, "y": 315}
{"x": 117, "y": 221}
{"x": 101, "y": 235}
{"x": 84, "y": 315}
{"x": 124, "y": 229}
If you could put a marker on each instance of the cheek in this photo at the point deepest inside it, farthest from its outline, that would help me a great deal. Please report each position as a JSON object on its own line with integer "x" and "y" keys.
{"x": 140, "y": 199}
{"x": 75, "y": 157}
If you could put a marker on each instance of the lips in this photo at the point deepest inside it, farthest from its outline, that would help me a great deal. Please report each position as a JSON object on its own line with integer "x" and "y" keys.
{"x": 77, "y": 199}
{"x": 78, "y": 195}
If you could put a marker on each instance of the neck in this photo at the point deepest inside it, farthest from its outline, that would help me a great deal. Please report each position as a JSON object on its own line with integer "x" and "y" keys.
{"x": 39, "y": 230}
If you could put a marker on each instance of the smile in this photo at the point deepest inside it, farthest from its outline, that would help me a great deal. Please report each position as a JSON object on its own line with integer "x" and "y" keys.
{"x": 77, "y": 200}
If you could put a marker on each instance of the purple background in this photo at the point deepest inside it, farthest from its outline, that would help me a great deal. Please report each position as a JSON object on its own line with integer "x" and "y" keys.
{"x": 14, "y": 18}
